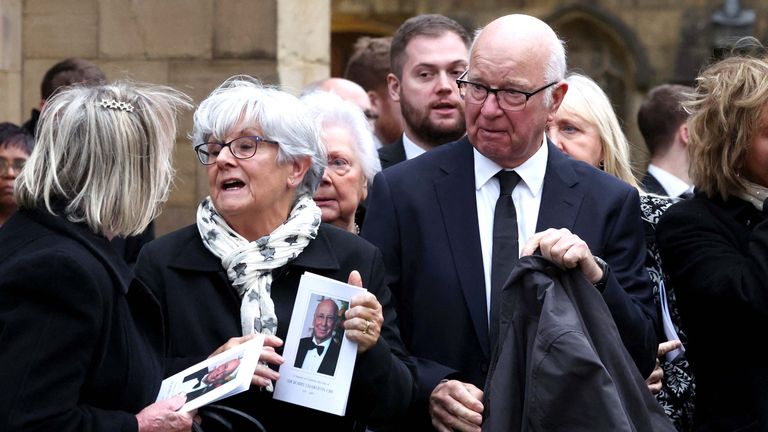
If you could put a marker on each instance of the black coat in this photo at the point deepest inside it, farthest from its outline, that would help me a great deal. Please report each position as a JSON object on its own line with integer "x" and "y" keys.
{"x": 652, "y": 185}
{"x": 72, "y": 357}
{"x": 202, "y": 311}
{"x": 560, "y": 363}
{"x": 716, "y": 254}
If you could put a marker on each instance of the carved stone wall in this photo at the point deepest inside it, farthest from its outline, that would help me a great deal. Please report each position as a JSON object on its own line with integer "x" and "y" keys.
{"x": 192, "y": 45}
{"x": 628, "y": 46}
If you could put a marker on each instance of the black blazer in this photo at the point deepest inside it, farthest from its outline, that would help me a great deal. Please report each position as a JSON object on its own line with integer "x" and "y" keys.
{"x": 392, "y": 154}
{"x": 716, "y": 254}
{"x": 73, "y": 356}
{"x": 652, "y": 185}
{"x": 553, "y": 321}
{"x": 328, "y": 365}
{"x": 202, "y": 311}
{"x": 422, "y": 214}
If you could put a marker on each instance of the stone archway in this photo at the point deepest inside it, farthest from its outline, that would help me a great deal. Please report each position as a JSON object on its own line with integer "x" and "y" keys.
{"x": 345, "y": 30}
{"x": 601, "y": 46}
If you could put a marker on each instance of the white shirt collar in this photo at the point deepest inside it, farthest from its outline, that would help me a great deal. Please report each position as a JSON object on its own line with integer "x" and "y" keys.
{"x": 326, "y": 343}
{"x": 411, "y": 148}
{"x": 531, "y": 171}
{"x": 671, "y": 183}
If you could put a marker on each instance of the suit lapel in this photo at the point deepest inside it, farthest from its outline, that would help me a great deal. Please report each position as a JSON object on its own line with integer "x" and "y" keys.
{"x": 328, "y": 365}
{"x": 456, "y": 197}
{"x": 560, "y": 200}
{"x": 392, "y": 154}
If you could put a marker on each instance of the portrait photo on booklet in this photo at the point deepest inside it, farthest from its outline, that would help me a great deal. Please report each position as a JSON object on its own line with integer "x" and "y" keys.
{"x": 319, "y": 360}
{"x": 223, "y": 375}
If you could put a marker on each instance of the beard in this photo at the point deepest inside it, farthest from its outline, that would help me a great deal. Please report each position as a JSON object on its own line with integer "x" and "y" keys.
{"x": 427, "y": 131}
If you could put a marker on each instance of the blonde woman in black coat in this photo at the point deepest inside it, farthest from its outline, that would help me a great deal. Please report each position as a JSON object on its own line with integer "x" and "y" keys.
{"x": 715, "y": 246}
{"x": 73, "y": 355}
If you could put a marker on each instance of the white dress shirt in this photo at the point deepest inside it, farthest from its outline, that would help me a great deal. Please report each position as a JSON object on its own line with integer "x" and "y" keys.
{"x": 313, "y": 360}
{"x": 411, "y": 148}
{"x": 526, "y": 196}
{"x": 672, "y": 184}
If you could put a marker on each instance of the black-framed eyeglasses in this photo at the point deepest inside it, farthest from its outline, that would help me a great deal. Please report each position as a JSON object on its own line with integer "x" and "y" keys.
{"x": 243, "y": 147}
{"x": 508, "y": 99}
{"x": 16, "y": 164}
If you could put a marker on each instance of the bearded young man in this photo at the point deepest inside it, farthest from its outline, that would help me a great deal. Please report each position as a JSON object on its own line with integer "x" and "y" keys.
{"x": 428, "y": 54}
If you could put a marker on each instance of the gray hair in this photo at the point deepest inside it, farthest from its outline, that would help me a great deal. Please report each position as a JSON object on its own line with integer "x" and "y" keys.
{"x": 100, "y": 163}
{"x": 328, "y": 109}
{"x": 280, "y": 116}
{"x": 556, "y": 67}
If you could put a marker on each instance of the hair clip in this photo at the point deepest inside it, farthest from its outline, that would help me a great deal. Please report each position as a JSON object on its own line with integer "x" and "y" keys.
{"x": 115, "y": 105}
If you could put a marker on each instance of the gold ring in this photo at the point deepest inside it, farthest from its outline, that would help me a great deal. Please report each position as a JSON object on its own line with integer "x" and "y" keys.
{"x": 367, "y": 325}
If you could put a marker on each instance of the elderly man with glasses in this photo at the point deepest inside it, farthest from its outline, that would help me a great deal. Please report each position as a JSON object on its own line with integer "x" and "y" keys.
{"x": 452, "y": 223}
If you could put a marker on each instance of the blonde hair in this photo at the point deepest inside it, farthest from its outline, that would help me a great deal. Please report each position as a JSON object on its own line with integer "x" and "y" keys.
{"x": 728, "y": 101}
{"x": 585, "y": 97}
{"x": 99, "y": 163}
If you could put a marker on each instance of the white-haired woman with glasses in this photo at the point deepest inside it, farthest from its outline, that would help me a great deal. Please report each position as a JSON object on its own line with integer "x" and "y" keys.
{"x": 352, "y": 159}
{"x": 75, "y": 345}
{"x": 236, "y": 271}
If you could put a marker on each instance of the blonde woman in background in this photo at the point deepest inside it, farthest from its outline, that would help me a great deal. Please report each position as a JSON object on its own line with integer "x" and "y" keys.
{"x": 586, "y": 128}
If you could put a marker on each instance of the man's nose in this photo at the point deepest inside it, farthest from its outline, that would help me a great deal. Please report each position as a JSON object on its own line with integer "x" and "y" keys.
{"x": 490, "y": 107}
{"x": 445, "y": 83}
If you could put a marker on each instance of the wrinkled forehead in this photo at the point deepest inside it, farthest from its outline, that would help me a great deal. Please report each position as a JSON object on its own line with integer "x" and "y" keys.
{"x": 506, "y": 68}
{"x": 325, "y": 307}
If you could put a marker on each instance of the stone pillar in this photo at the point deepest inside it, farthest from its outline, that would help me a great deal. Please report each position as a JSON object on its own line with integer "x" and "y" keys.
{"x": 303, "y": 42}
{"x": 10, "y": 61}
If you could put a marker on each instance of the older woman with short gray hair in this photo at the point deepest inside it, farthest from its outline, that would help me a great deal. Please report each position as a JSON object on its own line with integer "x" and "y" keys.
{"x": 236, "y": 271}
{"x": 352, "y": 158}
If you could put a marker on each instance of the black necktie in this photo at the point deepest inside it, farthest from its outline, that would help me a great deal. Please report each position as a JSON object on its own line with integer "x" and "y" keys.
{"x": 320, "y": 348}
{"x": 505, "y": 251}
{"x": 686, "y": 195}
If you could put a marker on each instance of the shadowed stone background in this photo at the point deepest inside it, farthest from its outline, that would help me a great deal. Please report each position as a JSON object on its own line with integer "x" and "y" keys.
{"x": 628, "y": 46}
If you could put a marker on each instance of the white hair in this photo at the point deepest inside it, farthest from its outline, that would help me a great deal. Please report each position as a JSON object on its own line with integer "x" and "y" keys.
{"x": 101, "y": 163}
{"x": 280, "y": 116}
{"x": 328, "y": 109}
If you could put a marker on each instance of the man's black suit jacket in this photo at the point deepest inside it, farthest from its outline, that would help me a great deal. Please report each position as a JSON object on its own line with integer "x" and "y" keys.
{"x": 392, "y": 154}
{"x": 423, "y": 216}
{"x": 652, "y": 185}
{"x": 328, "y": 365}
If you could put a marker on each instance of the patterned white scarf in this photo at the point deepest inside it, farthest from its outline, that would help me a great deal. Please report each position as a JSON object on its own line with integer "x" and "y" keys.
{"x": 249, "y": 265}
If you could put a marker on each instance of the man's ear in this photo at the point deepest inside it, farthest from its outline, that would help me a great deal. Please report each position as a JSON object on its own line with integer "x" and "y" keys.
{"x": 558, "y": 94}
{"x": 393, "y": 85}
{"x": 683, "y": 134}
